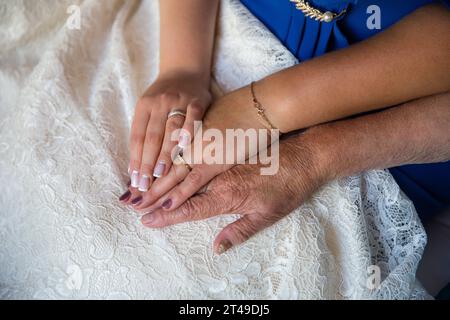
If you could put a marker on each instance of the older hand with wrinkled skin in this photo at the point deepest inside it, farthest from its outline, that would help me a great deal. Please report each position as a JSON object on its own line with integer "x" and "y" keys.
{"x": 307, "y": 161}
{"x": 260, "y": 200}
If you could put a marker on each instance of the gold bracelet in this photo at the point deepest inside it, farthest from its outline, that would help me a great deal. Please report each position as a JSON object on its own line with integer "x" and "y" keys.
{"x": 259, "y": 108}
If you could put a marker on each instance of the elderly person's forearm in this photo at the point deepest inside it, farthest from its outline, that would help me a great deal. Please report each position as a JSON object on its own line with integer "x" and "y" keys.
{"x": 416, "y": 132}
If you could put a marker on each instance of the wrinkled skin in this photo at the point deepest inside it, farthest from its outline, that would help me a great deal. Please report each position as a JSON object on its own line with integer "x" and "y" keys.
{"x": 260, "y": 200}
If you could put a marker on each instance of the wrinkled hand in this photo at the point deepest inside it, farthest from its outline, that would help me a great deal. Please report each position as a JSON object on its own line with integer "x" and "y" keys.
{"x": 260, "y": 200}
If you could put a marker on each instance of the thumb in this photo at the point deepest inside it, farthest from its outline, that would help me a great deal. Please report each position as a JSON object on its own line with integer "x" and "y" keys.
{"x": 239, "y": 231}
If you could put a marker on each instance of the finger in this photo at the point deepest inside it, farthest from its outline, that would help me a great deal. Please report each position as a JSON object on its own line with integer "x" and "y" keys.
{"x": 164, "y": 161}
{"x": 153, "y": 198}
{"x": 195, "y": 112}
{"x": 152, "y": 146}
{"x": 125, "y": 196}
{"x": 132, "y": 196}
{"x": 137, "y": 136}
{"x": 199, "y": 207}
{"x": 194, "y": 181}
{"x": 240, "y": 231}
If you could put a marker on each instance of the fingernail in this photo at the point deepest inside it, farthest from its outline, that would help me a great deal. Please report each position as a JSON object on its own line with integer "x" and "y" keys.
{"x": 135, "y": 179}
{"x": 144, "y": 183}
{"x": 224, "y": 246}
{"x": 129, "y": 170}
{"x": 167, "y": 204}
{"x": 129, "y": 183}
{"x": 148, "y": 219}
{"x": 136, "y": 201}
{"x": 125, "y": 196}
{"x": 159, "y": 169}
{"x": 184, "y": 140}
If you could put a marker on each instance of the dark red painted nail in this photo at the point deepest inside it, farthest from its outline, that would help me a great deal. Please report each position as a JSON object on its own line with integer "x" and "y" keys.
{"x": 129, "y": 183}
{"x": 137, "y": 200}
{"x": 125, "y": 196}
{"x": 167, "y": 204}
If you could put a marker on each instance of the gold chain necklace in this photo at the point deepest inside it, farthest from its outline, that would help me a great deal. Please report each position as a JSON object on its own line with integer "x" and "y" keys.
{"x": 316, "y": 14}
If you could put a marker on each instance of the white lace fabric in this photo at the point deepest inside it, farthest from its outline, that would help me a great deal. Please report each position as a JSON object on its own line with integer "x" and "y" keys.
{"x": 66, "y": 102}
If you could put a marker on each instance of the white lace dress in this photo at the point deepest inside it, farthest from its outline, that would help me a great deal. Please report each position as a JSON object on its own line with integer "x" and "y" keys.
{"x": 66, "y": 101}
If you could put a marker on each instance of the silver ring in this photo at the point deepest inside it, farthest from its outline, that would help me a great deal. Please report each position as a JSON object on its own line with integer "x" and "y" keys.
{"x": 175, "y": 113}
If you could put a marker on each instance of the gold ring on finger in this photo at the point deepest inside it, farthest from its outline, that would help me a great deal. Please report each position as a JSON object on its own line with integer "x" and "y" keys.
{"x": 178, "y": 160}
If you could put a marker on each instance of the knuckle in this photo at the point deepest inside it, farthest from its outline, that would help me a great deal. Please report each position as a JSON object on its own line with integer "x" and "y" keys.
{"x": 153, "y": 194}
{"x": 152, "y": 138}
{"x": 161, "y": 221}
{"x": 148, "y": 198}
{"x": 196, "y": 110}
{"x": 191, "y": 210}
{"x": 177, "y": 194}
{"x": 185, "y": 210}
{"x": 268, "y": 209}
{"x": 136, "y": 138}
{"x": 168, "y": 98}
{"x": 135, "y": 163}
{"x": 146, "y": 168}
{"x": 239, "y": 199}
{"x": 164, "y": 156}
{"x": 174, "y": 123}
{"x": 145, "y": 103}
{"x": 244, "y": 230}
{"x": 194, "y": 178}
{"x": 240, "y": 233}
{"x": 179, "y": 173}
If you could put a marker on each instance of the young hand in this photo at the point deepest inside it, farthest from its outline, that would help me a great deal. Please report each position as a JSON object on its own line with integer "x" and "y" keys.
{"x": 150, "y": 137}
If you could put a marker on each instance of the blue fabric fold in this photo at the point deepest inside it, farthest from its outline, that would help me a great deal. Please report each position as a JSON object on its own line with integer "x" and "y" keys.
{"x": 307, "y": 38}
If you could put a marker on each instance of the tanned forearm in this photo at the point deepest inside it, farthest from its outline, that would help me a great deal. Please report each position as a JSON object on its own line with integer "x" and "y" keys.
{"x": 416, "y": 132}
{"x": 187, "y": 36}
{"x": 405, "y": 62}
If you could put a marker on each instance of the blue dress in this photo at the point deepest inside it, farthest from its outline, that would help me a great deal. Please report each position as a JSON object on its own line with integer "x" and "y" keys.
{"x": 427, "y": 185}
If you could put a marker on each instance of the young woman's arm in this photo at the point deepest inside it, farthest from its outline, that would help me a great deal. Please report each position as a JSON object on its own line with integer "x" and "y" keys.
{"x": 186, "y": 36}
{"x": 186, "y": 43}
{"x": 407, "y": 61}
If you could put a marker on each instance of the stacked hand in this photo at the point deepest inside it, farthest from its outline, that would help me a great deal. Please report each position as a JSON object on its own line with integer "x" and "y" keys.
{"x": 261, "y": 200}
{"x": 168, "y": 194}
{"x": 232, "y": 111}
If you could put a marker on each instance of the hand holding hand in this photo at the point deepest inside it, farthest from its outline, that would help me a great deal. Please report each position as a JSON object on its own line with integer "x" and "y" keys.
{"x": 233, "y": 111}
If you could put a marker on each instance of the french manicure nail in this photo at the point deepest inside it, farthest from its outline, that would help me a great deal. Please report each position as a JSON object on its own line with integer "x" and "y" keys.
{"x": 167, "y": 204}
{"x": 135, "y": 179}
{"x": 224, "y": 246}
{"x": 184, "y": 140}
{"x": 125, "y": 196}
{"x": 159, "y": 169}
{"x": 147, "y": 219}
{"x": 136, "y": 201}
{"x": 144, "y": 183}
